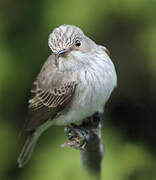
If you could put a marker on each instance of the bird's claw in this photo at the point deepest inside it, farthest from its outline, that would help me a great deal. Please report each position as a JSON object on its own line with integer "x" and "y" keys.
{"x": 77, "y": 137}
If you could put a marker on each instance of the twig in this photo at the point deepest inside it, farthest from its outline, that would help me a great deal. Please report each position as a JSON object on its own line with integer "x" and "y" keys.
{"x": 88, "y": 139}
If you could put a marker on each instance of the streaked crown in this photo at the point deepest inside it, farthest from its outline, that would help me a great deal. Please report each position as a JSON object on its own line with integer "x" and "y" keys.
{"x": 63, "y": 37}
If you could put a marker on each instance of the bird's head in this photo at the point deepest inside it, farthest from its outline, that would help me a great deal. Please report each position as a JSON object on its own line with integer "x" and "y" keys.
{"x": 68, "y": 39}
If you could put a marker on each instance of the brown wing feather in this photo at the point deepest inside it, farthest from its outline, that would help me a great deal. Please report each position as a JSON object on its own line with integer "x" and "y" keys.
{"x": 46, "y": 103}
{"x": 105, "y": 49}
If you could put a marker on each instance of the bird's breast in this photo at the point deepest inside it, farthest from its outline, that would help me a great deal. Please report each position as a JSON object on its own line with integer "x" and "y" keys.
{"x": 95, "y": 84}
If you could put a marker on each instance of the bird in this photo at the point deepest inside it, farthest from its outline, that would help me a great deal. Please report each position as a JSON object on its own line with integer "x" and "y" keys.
{"x": 75, "y": 82}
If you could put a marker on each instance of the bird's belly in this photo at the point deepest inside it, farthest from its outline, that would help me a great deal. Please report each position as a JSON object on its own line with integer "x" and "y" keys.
{"x": 76, "y": 113}
{"x": 92, "y": 92}
{"x": 88, "y": 99}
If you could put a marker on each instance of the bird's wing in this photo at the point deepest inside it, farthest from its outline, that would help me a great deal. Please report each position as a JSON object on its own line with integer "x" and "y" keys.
{"x": 105, "y": 49}
{"x": 46, "y": 103}
{"x": 50, "y": 97}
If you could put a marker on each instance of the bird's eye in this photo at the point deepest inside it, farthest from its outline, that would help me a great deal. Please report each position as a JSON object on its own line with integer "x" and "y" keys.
{"x": 77, "y": 43}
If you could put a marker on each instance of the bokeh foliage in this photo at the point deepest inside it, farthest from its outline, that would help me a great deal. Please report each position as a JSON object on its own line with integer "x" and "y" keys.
{"x": 128, "y": 29}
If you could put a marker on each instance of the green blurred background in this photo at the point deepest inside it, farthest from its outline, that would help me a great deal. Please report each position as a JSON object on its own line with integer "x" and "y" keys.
{"x": 128, "y": 29}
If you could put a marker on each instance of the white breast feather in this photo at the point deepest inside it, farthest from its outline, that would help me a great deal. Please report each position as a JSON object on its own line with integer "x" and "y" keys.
{"x": 96, "y": 81}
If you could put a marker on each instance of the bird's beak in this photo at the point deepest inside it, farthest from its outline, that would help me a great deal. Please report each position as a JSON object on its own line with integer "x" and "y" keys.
{"x": 60, "y": 53}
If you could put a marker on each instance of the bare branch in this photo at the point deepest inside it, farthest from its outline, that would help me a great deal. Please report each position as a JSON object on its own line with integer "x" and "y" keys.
{"x": 88, "y": 139}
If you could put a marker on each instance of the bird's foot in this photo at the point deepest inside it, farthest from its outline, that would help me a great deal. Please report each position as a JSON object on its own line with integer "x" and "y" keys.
{"x": 77, "y": 137}
{"x": 82, "y": 137}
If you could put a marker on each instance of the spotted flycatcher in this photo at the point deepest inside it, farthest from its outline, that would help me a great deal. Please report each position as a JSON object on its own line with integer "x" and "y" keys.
{"x": 74, "y": 83}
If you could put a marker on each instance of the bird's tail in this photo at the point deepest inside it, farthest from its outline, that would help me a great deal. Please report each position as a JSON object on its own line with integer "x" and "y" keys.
{"x": 27, "y": 150}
